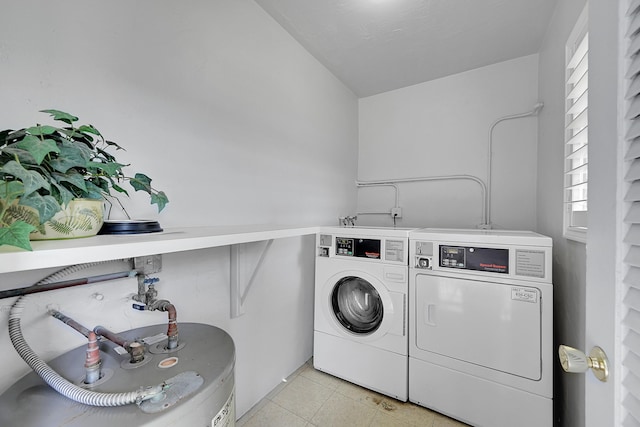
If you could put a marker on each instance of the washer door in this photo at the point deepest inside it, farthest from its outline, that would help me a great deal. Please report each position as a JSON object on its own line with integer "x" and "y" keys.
{"x": 357, "y": 305}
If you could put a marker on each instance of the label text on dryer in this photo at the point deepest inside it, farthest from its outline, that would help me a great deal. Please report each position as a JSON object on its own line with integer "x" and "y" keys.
{"x": 530, "y": 263}
{"x": 526, "y": 295}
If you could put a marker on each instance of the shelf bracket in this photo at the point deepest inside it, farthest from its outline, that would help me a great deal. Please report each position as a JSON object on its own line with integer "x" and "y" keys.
{"x": 241, "y": 282}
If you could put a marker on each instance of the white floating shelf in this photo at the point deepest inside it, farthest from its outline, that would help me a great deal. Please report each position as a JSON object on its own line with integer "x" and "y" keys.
{"x": 58, "y": 253}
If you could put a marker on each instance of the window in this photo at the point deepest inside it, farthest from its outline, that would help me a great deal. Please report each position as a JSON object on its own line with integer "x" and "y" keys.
{"x": 576, "y": 132}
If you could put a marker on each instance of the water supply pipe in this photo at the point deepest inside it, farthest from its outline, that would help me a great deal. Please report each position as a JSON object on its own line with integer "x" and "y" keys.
{"x": 50, "y": 286}
{"x": 536, "y": 109}
{"x": 172, "y": 328}
{"x": 148, "y": 298}
{"x": 70, "y": 322}
{"x": 134, "y": 348}
{"x": 55, "y": 380}
{"x": 92, "y": 363}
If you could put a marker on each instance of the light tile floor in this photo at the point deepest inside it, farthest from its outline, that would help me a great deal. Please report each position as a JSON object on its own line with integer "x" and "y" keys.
{"x": 313, "y": 398}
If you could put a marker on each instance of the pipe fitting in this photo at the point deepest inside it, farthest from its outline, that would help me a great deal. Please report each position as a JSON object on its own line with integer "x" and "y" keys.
{"x": 70, "y": 322}
{"x": 50, "y": 376}
{"x": 154, "y": 393}
{"x": 135, "y": 349}
{"x": 172, "y": 328}
{"x": 92, "y": 363}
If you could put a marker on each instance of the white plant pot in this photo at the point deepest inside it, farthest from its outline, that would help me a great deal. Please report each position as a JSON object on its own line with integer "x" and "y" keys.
{"x": 81, "y": 218}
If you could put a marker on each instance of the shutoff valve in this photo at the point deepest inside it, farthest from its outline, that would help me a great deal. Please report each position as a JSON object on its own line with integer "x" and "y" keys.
{"x": 575, "y": 361}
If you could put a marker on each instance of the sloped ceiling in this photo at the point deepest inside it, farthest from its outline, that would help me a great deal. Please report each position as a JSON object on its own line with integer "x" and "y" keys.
{"x": 374, "y": 46}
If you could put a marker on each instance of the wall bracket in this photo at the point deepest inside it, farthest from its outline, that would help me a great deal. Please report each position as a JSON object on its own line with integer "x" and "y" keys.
{"x": 241, "y": 282}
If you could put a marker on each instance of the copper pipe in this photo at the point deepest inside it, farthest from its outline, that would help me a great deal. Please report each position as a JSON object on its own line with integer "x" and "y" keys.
{"x": 92, "y": 362}
{"x": 70, "y": 322}
{"x": 172, "y": 329}
{"x": 65, "y": 284}
{"x": 134, "y": 348}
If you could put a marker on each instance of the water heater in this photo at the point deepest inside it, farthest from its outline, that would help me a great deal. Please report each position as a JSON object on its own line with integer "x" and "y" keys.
{"x": 197, "y": 377}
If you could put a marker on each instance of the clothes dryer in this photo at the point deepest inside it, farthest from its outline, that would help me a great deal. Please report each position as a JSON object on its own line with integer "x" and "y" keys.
{"x": 360, "y": 319}
{"x": 481, "y": 322}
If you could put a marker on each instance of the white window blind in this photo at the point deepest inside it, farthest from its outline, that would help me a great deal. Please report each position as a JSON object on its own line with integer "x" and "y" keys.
{"x": 576, "y": 132}
{"x": 631, "y": 320}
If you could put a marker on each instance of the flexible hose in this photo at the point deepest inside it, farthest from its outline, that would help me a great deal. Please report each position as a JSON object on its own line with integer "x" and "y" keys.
{"x": 55, "y": 380}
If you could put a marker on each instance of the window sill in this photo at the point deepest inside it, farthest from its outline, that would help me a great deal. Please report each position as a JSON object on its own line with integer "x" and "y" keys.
{"x": 576, "y": 234}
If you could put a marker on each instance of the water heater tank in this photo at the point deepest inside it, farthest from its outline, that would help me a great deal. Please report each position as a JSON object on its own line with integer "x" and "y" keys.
{"x": 200, "y": 374}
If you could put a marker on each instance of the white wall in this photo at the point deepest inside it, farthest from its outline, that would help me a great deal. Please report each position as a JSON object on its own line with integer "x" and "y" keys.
{"x": 229, "y": 116}
{"x": 441, "y": 127}
{"x": 569, "y": 266}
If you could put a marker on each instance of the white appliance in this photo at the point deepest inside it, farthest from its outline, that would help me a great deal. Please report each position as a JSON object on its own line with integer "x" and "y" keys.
{"x": 360, "y": 328}
{"x": 198, "y": 376}
{"x": 481, "y": 326}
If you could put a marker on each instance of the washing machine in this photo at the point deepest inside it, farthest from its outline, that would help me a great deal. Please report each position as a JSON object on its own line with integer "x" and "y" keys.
{"x": 360, "y": 318}
{"x": 481, "y": 326}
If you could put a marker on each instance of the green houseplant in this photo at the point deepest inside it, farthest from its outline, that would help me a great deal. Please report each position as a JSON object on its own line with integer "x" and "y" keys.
{"x": 45, "y": 167}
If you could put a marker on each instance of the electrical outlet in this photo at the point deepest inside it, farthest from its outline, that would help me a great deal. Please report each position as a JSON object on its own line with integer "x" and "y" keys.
{"x": 396, "y": 212}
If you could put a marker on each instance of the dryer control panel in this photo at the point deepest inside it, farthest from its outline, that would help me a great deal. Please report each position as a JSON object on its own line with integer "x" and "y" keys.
{"x": 525, "y": 261}
{"x": 473, "y": 258}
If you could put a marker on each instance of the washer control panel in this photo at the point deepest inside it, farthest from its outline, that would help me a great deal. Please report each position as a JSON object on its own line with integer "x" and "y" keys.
{"x": 361, "y": 248}
{"x": 384, "y": 249}
{"x": 344, "y": 246}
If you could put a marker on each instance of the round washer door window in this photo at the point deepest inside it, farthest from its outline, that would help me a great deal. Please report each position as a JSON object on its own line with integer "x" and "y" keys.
{"x": 357, "y": 305}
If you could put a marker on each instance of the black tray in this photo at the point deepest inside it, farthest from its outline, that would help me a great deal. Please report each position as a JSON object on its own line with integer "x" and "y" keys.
{"x": 131, "y": 226}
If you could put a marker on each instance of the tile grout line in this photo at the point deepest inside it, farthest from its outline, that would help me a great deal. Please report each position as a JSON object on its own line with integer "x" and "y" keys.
{"x": 297, "y": 373}
{"x": 339, "y": 391}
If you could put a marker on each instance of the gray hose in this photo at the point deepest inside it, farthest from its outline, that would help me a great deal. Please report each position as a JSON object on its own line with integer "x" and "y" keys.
{"x": 55, "y": 380}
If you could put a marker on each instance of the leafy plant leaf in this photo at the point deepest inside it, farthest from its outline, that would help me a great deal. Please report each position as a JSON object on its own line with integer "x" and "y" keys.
{"x": 23, "y": 156}
{"x": 32, "y": 180}
{"x": 16, "y": 136}
{"x": 38, "y": 148}
{"x": 62, "y": 194}
{"x": 71, "y": 156}
{"x": 41, "y": 130}
{"x": 94, "y": 191}
{"x": 73, "y": 177}
{"x": 109, "y": 168}
{"x": 113, "y": 144}
{"x": 47, "y": 206}
{"x": 89, "y": 129}
{"x": 72, "y": 135}
{"x": 17, "y": 234}
{"x": 3, "y": 135}
{"x": 160, "y": 199}
{"x": 103, "y": 154}
{"x": 119, "y": 189}
{"x": 141, "y": 182}
{"x": 10, "y": 190}
{"x": 61, "y": 115}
